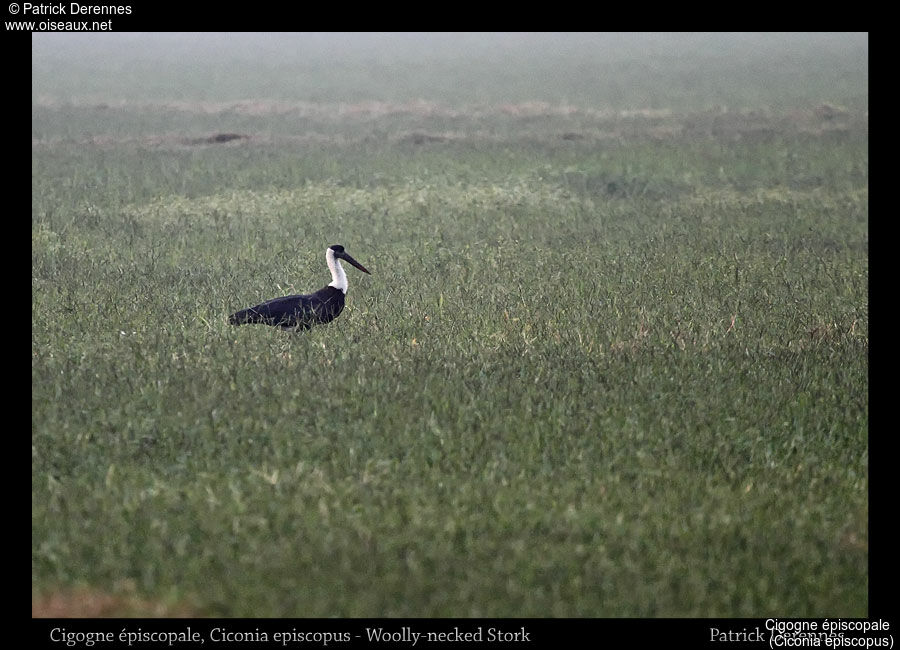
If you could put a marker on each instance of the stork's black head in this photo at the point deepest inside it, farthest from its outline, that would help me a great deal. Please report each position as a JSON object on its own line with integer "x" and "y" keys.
{"x": 339, "y": 252}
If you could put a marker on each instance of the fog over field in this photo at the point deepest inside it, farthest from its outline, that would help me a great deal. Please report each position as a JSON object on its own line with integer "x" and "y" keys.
{"x": 611, "y": 70}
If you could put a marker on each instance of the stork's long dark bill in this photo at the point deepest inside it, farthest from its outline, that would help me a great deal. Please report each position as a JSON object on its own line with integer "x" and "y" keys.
{"x": 344, "y": 256}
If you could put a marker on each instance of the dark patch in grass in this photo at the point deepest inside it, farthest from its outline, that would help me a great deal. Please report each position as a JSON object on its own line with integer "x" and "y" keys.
{"x": 620, "y": 186}
{"x": 422, "y": 138}
{"x": 218, "y": 138}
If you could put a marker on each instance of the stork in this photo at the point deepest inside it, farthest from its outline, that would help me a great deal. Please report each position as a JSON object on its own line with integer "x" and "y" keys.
{"x": 304, "y": 311}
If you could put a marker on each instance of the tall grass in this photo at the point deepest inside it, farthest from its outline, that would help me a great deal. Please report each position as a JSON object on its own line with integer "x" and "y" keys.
{"x": 617, "y": 374}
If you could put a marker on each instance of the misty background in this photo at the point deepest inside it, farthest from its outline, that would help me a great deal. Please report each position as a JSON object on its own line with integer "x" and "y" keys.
{"x": 614, "y": 71}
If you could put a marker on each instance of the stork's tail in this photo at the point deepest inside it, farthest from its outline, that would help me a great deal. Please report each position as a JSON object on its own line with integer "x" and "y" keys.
{"x": 240, "y": 318}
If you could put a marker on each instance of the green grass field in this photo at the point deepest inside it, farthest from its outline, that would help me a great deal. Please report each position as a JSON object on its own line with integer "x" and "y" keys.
{"x": 612, "y": 359}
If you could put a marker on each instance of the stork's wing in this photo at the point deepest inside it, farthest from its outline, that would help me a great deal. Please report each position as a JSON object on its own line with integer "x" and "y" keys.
{"x": 288, "y": 310}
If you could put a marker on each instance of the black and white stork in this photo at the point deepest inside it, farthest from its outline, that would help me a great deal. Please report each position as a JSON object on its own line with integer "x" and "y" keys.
{"x": 302, "y": 312}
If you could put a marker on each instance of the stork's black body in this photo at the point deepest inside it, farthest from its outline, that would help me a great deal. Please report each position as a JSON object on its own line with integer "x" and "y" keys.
{"x": 289, "y": 312}
{"x": 304, "y": 311}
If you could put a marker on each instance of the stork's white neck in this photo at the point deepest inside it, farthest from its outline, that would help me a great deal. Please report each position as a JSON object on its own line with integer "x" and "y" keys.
{"x": 338, "y": 277}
